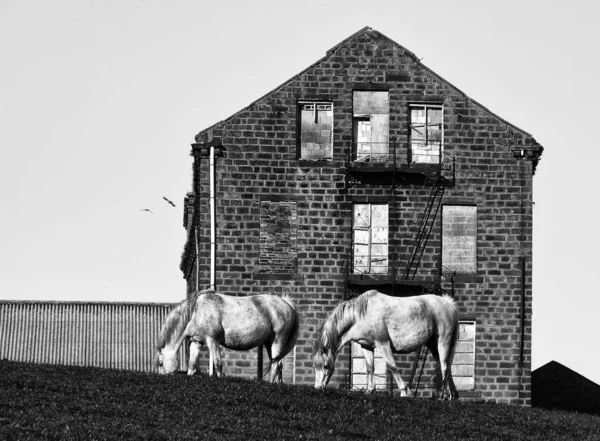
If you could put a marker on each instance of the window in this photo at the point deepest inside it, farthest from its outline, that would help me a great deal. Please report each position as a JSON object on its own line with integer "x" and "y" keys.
{"x": 459, "y": 239}
{"x": 371, "y": 125}
{"x": 278, "y": 237}
{"x": 463, "y": 366}
{"x": 316, "y": 130}
{"x": 370, "y": 239}
{"x": 426, "y": 134}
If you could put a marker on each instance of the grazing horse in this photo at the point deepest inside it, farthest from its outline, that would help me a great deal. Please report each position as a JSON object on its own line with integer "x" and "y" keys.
{"x": 239, "y": 323}
{"x": 394, "y": 325}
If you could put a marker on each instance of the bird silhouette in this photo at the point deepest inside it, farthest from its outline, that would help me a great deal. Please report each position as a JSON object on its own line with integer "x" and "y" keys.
{"x": 168, "y": 201}
{"x": 147, "y": 209}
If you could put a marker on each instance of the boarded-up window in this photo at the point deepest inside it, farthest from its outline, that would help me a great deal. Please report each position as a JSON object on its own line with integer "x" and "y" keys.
{"x": 371, "y": 125}
{"x": 370, "y": 239}
{"x": 426, "y": 134}
{"x": 463, "y": 366}
{"x": 359, "y": 369}
{"x": 459, "y": 239}
{"x": 278, "y": 237}
{"x": 316, "y": 130}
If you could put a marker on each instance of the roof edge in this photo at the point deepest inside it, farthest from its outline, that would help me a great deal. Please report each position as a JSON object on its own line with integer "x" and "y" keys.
{"x": 329, "y": 53}
{"x": 406, "y": 52}
{"x": 448, "y": 83}
{"x": 560, "y": 365}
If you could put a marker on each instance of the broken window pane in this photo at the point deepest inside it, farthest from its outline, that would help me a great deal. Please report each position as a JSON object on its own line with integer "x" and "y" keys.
{"x": 362, "y": 215}
{"x": 426, "y": 134}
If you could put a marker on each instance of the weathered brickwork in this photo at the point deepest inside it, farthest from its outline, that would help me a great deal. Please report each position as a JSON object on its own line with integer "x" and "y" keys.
{"x": 262, "y": 163}
{"x": 278, "y": 237}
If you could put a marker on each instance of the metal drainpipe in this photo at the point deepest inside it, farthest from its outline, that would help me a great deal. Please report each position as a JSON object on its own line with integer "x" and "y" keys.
{"x": 197, "y": 260}
{"x": 213, "y": 226}
{"x": 522, "y": 336}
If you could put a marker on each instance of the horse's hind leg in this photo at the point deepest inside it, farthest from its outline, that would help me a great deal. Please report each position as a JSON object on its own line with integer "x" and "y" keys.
{"x": 276, "y": 372}
{"x": 275, "y": 368}
{"x": 275, "y": 351}
{"x": 388, "y": 356}
{"x": 448, "y": 389}
{"x": 433, "y": 349}
{"x": 215, "y": 364}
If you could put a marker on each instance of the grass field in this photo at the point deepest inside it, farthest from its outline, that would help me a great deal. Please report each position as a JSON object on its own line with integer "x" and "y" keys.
{"x": 60, "y": 402}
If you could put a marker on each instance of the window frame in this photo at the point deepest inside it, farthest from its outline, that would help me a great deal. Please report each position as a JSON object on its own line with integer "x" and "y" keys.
{"x": 445, "y": 269}
{"x": 369, "y": 231}
{"x": 459, "y": 358}
{"x": 374, "y": 153}
{"x": 299, "y": 109}
{"x": 426, "y": 107}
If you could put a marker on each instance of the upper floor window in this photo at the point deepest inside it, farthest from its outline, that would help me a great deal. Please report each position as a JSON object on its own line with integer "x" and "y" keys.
{"x": 371, "y": 125}
{"x": 315, "y": 130}
{"x": 370, "y": 239}
{"x": 426, "y": 133}
{"x": 459, "y": 239}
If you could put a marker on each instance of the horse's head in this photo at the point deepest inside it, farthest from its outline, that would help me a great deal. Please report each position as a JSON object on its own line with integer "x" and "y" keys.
{"x": 323, "y": 364}
{"x": 167, "y": 361}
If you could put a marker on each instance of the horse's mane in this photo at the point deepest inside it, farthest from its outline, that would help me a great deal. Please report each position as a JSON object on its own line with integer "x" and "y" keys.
{"x": 178, "y": 318}
{"x": 328, "y": 335}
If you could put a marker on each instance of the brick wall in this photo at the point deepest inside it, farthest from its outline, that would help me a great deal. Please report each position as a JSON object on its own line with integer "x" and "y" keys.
{"x": 261, "y": 164}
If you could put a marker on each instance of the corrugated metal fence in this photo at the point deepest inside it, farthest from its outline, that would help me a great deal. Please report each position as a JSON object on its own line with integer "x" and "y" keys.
{"x": 107, "y": 335}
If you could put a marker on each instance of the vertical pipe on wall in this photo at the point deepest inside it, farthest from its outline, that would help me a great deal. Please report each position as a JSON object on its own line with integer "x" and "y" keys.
{"x": 522, "y": 337}
{"x": 212, "y": 216}
{"x": 197, "y": 259}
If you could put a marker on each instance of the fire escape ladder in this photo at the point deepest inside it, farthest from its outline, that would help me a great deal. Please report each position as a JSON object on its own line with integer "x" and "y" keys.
{"x": 420, "y": 232}
{"x": 420, "y": 227}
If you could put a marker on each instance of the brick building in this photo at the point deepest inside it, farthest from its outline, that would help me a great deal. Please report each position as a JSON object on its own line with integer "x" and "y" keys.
{"x": 368, "y": 170}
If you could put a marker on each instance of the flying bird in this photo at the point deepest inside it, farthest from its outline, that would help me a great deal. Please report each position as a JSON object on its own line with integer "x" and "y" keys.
{"x": 168, "y": 201}
{"x": 147, "y": 209}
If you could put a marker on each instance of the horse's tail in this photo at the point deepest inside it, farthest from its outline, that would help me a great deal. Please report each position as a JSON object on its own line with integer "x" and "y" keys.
{"x": 455, "y": 332}
{"x": 453, "y": 344}
{"x": 292, "y": 336}
{"x": 289, "y": 300}
{"x": 455, "y": 336}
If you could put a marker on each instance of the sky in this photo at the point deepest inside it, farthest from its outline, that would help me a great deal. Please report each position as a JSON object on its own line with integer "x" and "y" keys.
{"x": 101, "y": 99}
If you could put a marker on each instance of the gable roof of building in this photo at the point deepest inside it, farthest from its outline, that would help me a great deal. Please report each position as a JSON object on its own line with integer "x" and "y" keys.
{"x": 555, "y": 386}
{"x": 332, "y": 51}
{"x": 554, "y": 367}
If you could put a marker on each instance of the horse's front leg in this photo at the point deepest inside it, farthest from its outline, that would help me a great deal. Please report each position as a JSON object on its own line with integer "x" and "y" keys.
{"x": 194, "y": 352}
{"x": 369, "y": 361}
{"x": 388, "y": 356}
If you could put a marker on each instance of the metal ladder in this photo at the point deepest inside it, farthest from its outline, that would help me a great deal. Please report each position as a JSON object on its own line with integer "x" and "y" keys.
{"x": 420, "y": 230}
{"x": 420, "y": 227}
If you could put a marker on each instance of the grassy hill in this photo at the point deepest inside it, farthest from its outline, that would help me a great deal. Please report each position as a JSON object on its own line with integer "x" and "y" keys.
{"x": 60, "y": 402}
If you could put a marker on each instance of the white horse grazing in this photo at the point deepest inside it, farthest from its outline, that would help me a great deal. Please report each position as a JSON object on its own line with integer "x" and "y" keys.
{"x": 394, "y": 325}
{"x": 238, "y": 323}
